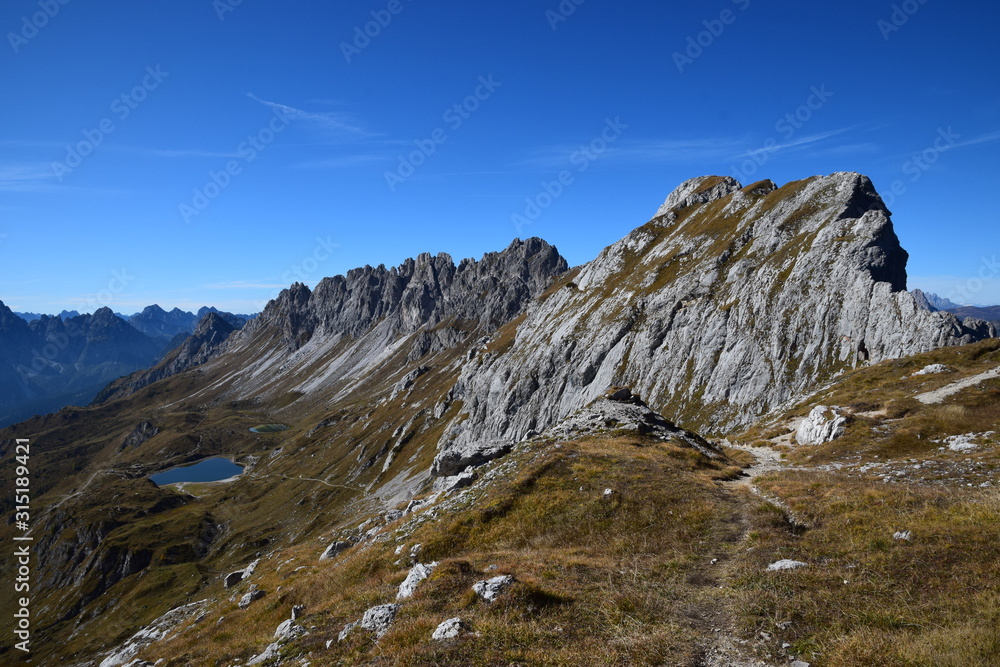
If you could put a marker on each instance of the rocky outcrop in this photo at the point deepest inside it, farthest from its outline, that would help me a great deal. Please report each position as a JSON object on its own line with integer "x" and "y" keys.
{"x": 322, "y": 340}
{"x": 154, "y": 632}
{"x": 632, "y": 417}
{"x": 490, "y": 589}
{"x": 421, "y": 293}
{"x": 823, "y": 424}
{"x": 142, "y": 432}
{"x": 729, "y": 303}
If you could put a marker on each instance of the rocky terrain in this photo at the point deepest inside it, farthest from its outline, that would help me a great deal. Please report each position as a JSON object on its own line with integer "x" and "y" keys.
{"x": 731, "y": 302}
{"x": 733, "y": 438}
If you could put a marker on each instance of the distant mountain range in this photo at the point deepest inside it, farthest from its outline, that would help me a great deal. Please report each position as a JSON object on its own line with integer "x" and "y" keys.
{"x": 48, "y": 362}
{"x": 933, "y": 302}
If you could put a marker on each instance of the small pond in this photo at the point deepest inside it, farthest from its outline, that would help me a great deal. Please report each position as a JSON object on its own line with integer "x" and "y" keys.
{"x": 269, "y": 428}
{"x": 209, "y": 470}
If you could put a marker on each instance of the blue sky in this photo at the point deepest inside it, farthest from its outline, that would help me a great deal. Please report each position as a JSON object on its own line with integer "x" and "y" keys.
{"x": 204, "y": 152}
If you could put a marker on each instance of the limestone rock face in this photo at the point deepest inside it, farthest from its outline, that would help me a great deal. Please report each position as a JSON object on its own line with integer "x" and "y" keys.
{"x": 421, "y": 292}
{"x": 321, "y": 340}
{"x": 729, "y": 303}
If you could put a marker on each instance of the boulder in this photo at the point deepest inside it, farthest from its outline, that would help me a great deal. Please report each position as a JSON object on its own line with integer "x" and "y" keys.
{"x": 418, "y": 573}
{"x": 233, "y": 578}
{"x": 335, "y": 549}
{"x": 378, "y": 619}
{"x": 450, "y": 629}
{"x": 249, "y": 597}
{"x": 490, "y": 589}
{"x": 822, "y": 425}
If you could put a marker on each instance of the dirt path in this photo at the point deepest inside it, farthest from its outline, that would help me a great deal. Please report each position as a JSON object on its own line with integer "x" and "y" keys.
{"x": 726, "y": 649}
{"x": 768, "y": 460}
{"x": 938, "y": 395}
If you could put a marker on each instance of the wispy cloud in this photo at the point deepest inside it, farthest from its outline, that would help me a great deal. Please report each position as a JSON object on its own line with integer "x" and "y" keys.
{"x": 700, "y": 149}
{"x": 328, "y": 121}
{"x": 808, "y": 141}
{"x": 987, "y": 138}
{"x": 26, "y": 177}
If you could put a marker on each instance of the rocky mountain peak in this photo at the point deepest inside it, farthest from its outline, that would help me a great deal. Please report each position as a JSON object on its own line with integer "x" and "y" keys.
{"x": 422, "y": 291}
{"x": 103, "y": 317}
{"x": 211, "y": 324}
{"x": 729, "y": 303}
{"x": 700, "y": 190}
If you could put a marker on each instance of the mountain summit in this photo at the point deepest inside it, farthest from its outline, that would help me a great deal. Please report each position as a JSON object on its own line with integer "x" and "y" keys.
{"x": 730, "y": 302}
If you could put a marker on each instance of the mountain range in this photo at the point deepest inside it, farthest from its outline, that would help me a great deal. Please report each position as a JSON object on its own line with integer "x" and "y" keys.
{"x": 54, "y": 361}
{"x": 732, "y": 438}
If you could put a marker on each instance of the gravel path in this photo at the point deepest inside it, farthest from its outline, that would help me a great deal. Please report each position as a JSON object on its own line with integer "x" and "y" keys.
{"x": 938, "y": 395}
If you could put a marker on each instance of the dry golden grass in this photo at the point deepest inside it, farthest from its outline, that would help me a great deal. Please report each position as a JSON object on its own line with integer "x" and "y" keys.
{"x": 867, "y": 598}
{"x": 600, "y": 581}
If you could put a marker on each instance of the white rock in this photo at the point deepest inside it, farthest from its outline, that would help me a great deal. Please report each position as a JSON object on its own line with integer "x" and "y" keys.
{"x": 933, "y": 369}
{"x": 154, "y": 632}
{"x": 491, "y": 589}
{"x": 903, "y": 535}
{"x": 270, "y": 652}
{"x": 288, "y": 631}
{"x": 346, "y": 631}
{"x": 449, "y": 629}
{"x": 418, "y": 573}
{"x": 378, "y": 619}
{"x": 249, "y": 597}
{"x": 335, "y": 549}
{"x": 965, "y": 442}
{"x": 786, "y": 564}
{"x": 823, "y": 424}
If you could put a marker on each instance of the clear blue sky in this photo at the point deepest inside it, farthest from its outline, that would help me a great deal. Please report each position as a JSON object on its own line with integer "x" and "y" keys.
{"x": 324, "y": 124}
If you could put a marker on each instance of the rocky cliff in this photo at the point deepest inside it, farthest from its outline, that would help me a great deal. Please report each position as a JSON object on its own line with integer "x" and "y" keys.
{"x": 349, "y": 325}
{"x": 731, "y": 301}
